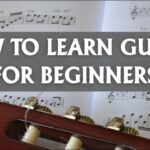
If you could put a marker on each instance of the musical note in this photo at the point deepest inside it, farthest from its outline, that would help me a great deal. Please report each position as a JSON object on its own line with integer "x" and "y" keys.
{"x": 2, "y": 24}
{"x": 134, "y": 96}
{"x": 131, "y": 118}
{"x": 15, "y": 18}
{"x": 41, "y": 19}
{"x": 72, "y": 20}
{"x": 127, "y": 123}
{"x": 30, "y": 18}
{"x": 134, "y": 12}
{"x": 58, "y": 101}
{"x": 67, "y": 20}
{"x": 111, "y": 97}
{"x": 55, "y": 19}
{"x": 147, "y": 96}
{"x": 144, "y": 122}
{"x": 123, "y": 116}
{"x": 139, "y": 120}
{"x": 135, "y": 123}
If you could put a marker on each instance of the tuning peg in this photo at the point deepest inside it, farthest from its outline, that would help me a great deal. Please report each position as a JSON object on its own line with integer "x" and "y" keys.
{"x": 118, "y": 124}
{"x": 31, "y": 102}
{"x": 72, "y": 112}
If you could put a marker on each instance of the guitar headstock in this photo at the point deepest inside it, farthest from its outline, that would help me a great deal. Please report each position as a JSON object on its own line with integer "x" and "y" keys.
{"x": 58, "y": 128}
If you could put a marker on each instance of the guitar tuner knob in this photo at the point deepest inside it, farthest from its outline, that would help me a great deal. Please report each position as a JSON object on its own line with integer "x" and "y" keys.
{"x": 32, "y": 103}
{"x": 118, "y": 124}
{"x": 73, "y": 112}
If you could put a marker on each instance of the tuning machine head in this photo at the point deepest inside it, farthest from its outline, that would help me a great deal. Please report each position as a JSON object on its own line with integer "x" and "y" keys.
{"x": 117, "y": 124}
{"x": 73, "y": 112}
{"x": 32, "y": 103}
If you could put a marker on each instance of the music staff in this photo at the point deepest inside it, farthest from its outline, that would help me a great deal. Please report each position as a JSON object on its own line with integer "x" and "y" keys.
{"x": 140, "y": 12}
{"x": 113, "y": 95}
{"x": 141, "y": 122}
{"x": 20, "y": 18}
{"x": 44, "y": 101}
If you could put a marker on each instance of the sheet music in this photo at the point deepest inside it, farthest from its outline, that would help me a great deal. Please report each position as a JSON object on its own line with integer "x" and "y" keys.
{"x": 73, "y": 16}
{"x": 58, "y": 102}
{"x": 50, "y": 16}
{"x": 19, "y": 18}
{"x": 133, "y": 107}
{"x": 126, "y": 16}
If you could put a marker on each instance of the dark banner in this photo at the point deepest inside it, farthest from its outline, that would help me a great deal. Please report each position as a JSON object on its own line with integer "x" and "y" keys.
{"x": 74, "y": 61}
